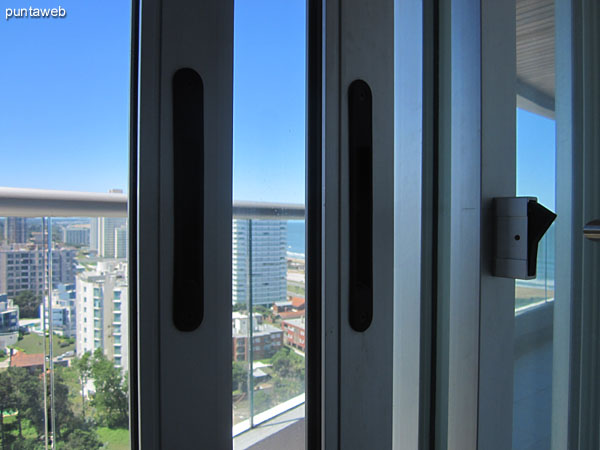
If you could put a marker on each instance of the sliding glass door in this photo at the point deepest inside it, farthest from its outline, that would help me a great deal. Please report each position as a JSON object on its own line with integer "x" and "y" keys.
{"x": 184, "y": 211}
{"x": 516, "y": 348}
{"x": 266, "y": 224}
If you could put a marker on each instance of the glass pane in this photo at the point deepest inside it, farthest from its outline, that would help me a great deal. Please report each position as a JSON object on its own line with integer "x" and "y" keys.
{"x": 268, "y": 250}
{"x": 536, "y": 161}
{"x": 536, "y": 177}
{"x": 64, "y": 126}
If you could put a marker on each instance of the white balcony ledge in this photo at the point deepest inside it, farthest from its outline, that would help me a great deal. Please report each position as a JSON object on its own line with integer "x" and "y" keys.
{"x": 48, "y": 203}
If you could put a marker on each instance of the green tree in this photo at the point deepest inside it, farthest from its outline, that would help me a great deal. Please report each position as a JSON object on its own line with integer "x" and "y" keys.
{"x": 63, "y": 414}
{"x": 288, "y": 364}
{"x": 84, "y": 370}
{"x": 62, "y": 406}
{"x": 240, "y": 376}
{"x": 286, "y": 388}
{"x": 239, "y": 307}
{"x": 111, "y": 396}
{"x": 26, "y": 393}
{"x": 81, "y": 439}
{"x": 262, "y": 310}
{"x": 7, "y": 401}
{"x": 29, "y": 304}
{"x": 27, "y": 444}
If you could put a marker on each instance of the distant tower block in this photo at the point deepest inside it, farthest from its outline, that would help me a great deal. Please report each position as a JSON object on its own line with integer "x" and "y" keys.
{"x": 108, "y": 235}
{"x": 15, "y": 230}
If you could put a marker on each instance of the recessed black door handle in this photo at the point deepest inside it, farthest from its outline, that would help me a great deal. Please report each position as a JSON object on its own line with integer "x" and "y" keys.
{"x": 188, "y": 201}
{"x": 360, "y": 146}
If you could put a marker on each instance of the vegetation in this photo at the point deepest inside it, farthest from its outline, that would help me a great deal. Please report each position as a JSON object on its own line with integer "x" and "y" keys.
{"x": 288, "y": 364}
{"x": 83, "y": 366}
{"x": 285, "y": 380}
{"x": 110, "y": 399}
{"x": 115, "y": 439}
{"x": 240, "y": 376}
{"x": 34, "y": 343}
{"x": 294, "y": 289}
{"x": 239, "y": 307}
{"x": 29, "y": 305}
{"x": 81, "y": 439}
{"x": 262, "y": 310}
{"x": 99, "y": 420}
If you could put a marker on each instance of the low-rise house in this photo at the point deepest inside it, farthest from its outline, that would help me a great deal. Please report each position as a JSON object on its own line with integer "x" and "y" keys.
{"x": 294, "y": 333}
{"x": 267, "y": 339}
{"x": 30, "y": 362}
{"x": 294, "y": 308}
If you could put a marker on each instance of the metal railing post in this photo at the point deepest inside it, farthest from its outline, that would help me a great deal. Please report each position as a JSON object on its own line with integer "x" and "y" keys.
{"x": 251, "y": 325}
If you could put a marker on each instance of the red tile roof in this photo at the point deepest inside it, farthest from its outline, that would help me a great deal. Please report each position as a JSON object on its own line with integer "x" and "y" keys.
{"x": 22, "y": 359}
{"x": 297, "y": 302}
{"x": 291, "y": 314}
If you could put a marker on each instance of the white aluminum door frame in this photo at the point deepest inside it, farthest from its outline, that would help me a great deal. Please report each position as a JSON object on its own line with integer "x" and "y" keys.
{"x": 185, "y": 377}
{"x": 575, "y": 394}
{"x": 358, "y": 366}
{"x": 498, "y": 179}
{"x": 477, "y": 163}
{"x": 370, "y": 379}
{"x": 459, "y": 224}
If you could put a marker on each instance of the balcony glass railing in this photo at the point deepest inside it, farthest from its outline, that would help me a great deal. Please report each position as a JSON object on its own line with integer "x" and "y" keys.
{"x": 536, "y": 166}
{"x": 534, "y": 293}
{"x": 268, "y": 293}
{"x": 61, "y": 383}
{"x": 65, "y": 361}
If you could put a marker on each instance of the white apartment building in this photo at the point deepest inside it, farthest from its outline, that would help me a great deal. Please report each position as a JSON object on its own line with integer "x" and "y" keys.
{"x": 267, "y": 239}
{"x": 108, "y": 236}
{"x": 102, "y": 316}
{"x": 22, "y": 268}
{"x": 9, "y": 322}
{"x": 64, "y": 313}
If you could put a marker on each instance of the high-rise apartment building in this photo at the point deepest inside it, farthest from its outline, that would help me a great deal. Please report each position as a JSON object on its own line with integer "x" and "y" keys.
{"x": 101, "y": 309}
{"x": 15, "y": 230}
{"x": 104, "y": 237}
{"x": 22, "y": 268}
{"x": 121, "y": 242}
{"x": 268, "y": 240}
{"x": 108, "y": 236}
{"x": 94, "y": 228}
{"x": 77, "y": 234}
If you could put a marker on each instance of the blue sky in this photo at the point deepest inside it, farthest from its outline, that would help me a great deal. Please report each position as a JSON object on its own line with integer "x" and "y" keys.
{"x": 64, "y": 108}
{"x": 269, "y": 100}
{"x": 536, "y": 160}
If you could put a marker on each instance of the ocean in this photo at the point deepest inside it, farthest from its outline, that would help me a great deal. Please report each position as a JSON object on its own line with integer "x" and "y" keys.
{"x": 296, "y": 238}
{"x": 545, "y": 261}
